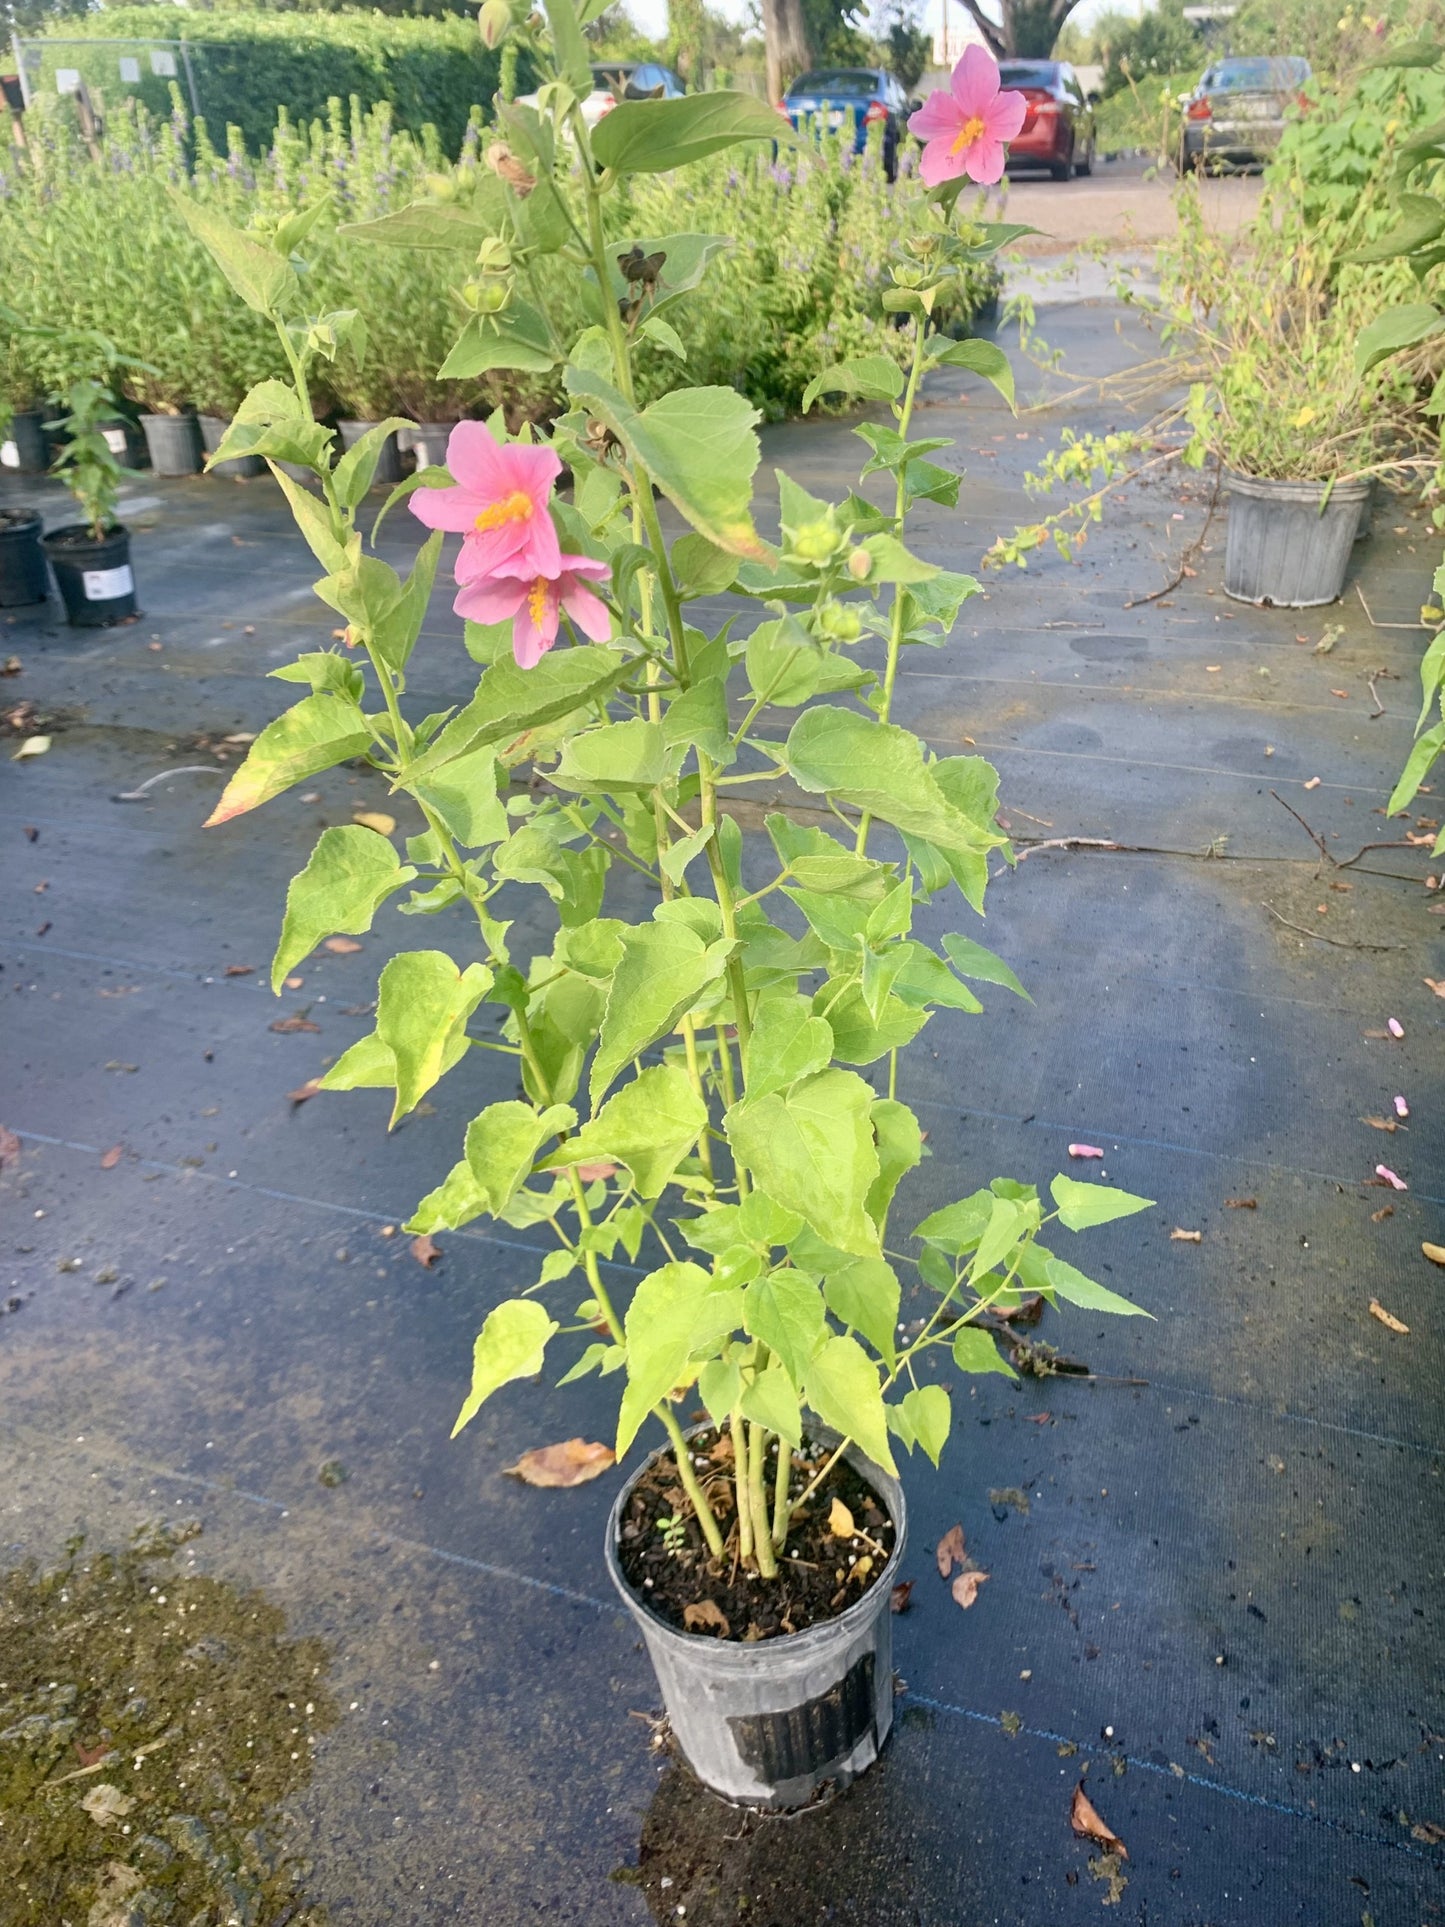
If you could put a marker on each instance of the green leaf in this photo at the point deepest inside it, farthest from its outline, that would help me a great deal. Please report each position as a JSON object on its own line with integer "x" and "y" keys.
{"x": 975, "y": 1351}
{"x": 979, "y": 357}
{"x": 872, "y": 377}
{"x": 1083, "y": 1205}
{"x": 859, "y": 1038}
{"x": 454, "y": 1202}
{"x": 1422, "y": 221}
{"x": 926, "y": 979}
{"x": 662, "y": 1324}
{"x": 516, "y": 338}
{"x": 700, "y": 568}
{"x": 355, "y": 472}
{"x": 570, "y": 51}
{"x": 1080, "y": 1290}
{"x": 698, "y": 444}
{"x": 842, "y": 1388}
{"x": 431, "y": 225}
{"x": 1426, "y": 749}
{"x": 928, "y": 1412}
{"x": 511, "y": 1344}
{"x": 787, "y": 667}
{"x": 970, "y": 959}
{"x": 785, "y": 1311}
{"x": 891, "y": 562}
{"x": 1395, "y": 329}
{"x": 812, "y": 1150}
{"x": 502, "y": 1145}
{"x": 655, "y": 136}
{"x": 370, "y": 1066}
{"x": 511, "y": 702}
{"x": 685, "y": 260}
{"x": 900, "y": 1148}
{"x": 650, "y": 1125}
{"x": 787, "y": 1043}
{"x": 673, "y": 861}
{"x": 770, "y": 1401}
{"x": 865, "y": 1293}
{"x": 325, "y": 672}
{"x": 347, "y": 877}
{"x": 1007, "y": 1222}
{"x": 665, "y": 969}
{"x": 423, "y": 1005}
{"x": 264, "y": 280}
{"x": 604, "y": 1359}
{"x": 319, "y": 732}
{"x": 881, "y": 768}
{"x": 957, "y": 1228}
{"x": 463, "y": 794}
{"x": 615, "y": 757}
{"x": 718, "y": 1385}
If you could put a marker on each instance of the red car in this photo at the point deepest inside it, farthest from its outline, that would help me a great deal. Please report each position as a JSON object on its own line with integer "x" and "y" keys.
{"x": 1058, "y": 129}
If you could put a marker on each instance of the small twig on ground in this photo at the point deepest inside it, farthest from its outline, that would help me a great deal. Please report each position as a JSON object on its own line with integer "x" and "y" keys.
{"x": 1072, "y": 843}
{"x": 1138, "y": 602}
{"x": 191, "y": 769}
{"x": 1313, "y": 835}
{"x": 1340, "y": 943}
{"x": 1374, "y": 693}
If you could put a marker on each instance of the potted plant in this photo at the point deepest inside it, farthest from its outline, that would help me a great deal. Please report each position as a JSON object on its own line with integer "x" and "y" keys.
{"x": 91, "y": 558}
{"x": 691, "y": 1087}
{"x": 22, "y": 563}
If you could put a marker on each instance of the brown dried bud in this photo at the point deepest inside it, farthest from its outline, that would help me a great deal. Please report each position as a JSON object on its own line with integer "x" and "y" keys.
{"x": 504, "y": 163}
{"x": 860, "y": 565}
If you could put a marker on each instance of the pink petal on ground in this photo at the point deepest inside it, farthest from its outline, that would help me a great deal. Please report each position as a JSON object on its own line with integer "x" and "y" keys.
{"x": 1392, "y": 1178}
{"x": 1395, "y": 1027}
{"x": 1085, "y": 1151}
{"x": 1402, "y": 1109}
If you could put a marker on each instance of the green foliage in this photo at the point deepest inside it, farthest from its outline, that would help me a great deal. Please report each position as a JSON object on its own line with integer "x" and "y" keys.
{"x": 687, "y": 1092}
{"x": 1138, "y": 50}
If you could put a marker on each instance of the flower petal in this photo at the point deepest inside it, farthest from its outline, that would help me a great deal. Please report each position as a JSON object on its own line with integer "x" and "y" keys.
{"x": 445, "y": 508}
{"x": 1005, "y": 115}
{"x": 975, "y": 81}
{"x": 585, "y": 565}
{"x": 939, "y": 115}
{"x": 476, "y": 460}
{"x": 531, "y": 640}
{"x": 590, "y": 615}
{"x": 492, "y": 599}
{"x": 983, "y": 161}
{"x": 940, "y": 164}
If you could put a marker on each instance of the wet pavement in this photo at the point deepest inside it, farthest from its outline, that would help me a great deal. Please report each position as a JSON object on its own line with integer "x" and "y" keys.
{"x": 1224, "y": 1596}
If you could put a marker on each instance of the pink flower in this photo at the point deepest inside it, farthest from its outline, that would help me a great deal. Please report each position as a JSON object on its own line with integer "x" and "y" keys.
{"x": 499, "y": 505}
{"x": 535, "y": 603}
{"x": 965, "y": 128}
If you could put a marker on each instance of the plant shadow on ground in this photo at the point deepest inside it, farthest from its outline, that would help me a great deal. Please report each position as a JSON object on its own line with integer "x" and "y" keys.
{"x": 152, "y": 1720}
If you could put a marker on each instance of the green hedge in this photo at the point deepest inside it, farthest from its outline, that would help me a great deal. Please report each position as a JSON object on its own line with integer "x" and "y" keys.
{"x": 248, "y": 65}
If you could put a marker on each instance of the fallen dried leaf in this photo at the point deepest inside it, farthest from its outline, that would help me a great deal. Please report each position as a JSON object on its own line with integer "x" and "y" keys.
{"x": 1385, "y": 1211}
{"x": 9, "y": 1147}
{"x": 93, "y": 1755}
{"x": 294, "y": 983}
{"x": 303, "y": 1091}
{"x": 1176, "y": 1236}
{"x": 1392, "y": 1178}
{"x": 105, "y": 1803}
{"x": 239, "y": 970}
{"x": 1430, "y": 1831}
{"x": 573, "y": 1462}
{"x": 1084, "y": 1819}
{"x": 32, "y": 746}
{"x": 375, "y": 820}
{"x": 111, "y": 1158}
{"x": 950, "y": 1550}
{"x": 706, "y": 1612}
{"x": 600, "y": 1169}
{"x": 1377, "y": 1310}
{"x": 1435, "y": 1253}
{"x": 1085, "y": 1151}
{"x": 840, "y": 1521}
{"x": 1241, "y": 1204}
{"x": 1343, "y": 694}
{"x": 1435, "y": 984}
{"x": 298, "y": 1022}
{"x": 1380, "y": 1123}
{"x": 965, "y": 1586}
{"x": 1313, "y": 783}
{"x": 426, "y": 1250}
{"x": 342, "y": 946}
{"x": 900, "y": 1596}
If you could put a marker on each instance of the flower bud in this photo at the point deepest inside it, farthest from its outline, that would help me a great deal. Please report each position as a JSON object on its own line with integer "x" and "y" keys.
{"x": 494, "y": 22}
{"x": 838, "y": 622}
{"x": 860, "y": 565}
{"x": 494, "y": 256}
{"x": 441, "y": 187}
{"x": 493, "y": 294}
{"x": 815, "y": 541}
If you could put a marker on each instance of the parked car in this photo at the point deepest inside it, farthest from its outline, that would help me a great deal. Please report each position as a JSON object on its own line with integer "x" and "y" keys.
{"x": 615, "y": 80}
{"x": 831, "y": 97}
{"x": 1058, "y": 130}
{"x": 1236, "y": 114}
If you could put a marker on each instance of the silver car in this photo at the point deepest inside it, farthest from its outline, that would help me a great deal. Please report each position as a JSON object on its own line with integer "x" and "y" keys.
{"x": 1236, "y": 115}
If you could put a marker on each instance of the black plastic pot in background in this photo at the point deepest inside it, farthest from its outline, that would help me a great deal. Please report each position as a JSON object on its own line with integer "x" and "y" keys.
{"x": 242, "y": 468}
{"x": 174, "y": 443}
{"x": 23, "y": 577}
{"x": 126, "y": 441}
{"x": 96, "y": 584}
{"x": 31, "y": 444}
{"x": 388, "y": 468}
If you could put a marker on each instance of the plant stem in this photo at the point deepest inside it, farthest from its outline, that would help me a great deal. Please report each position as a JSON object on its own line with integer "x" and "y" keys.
{"x": 740, "y": 1487}
{"x": 782, "y": 1478}
{"x": 705, "y": 1516}
{"x": 814, "y": 1483}
{"x": 758, "y": 1501}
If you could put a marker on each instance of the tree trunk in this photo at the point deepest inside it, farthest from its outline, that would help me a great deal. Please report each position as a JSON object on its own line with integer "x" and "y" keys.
{"x": 1027, "y": 29}
{"x": 785, "y": 38}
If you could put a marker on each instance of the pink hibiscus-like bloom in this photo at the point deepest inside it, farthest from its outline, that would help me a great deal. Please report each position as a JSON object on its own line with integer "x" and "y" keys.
{"x": 535, "y": 604}
{"x": 964, "y": 130}
{"x": 499, "y": 504}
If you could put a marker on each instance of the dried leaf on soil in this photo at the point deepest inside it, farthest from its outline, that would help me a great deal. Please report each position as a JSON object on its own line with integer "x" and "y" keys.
{"x": 1387, "y": 1319}
{"x": 706, "y": 1614}
{"x": 1241, "y": 1204}
{"x": 342, "y": 946}
{"x": 965, "y": 1586}
{"x": 9, "y": 1147}
{"x": 1435, "y": 1253}
{"x": 111, "y": 1158}
{"x": 1385, "y": 1211}
{"x": 239, "y": 970}
{"x": 573, "y": 1462}
{"x": 1430, "y": 1831}
{"x": 106, "y": 1803}
{"x": 32, "y": 746}
{"x": 1380, "y": 1123}
{"x": 1084, "y": 1819}
{"x": 950, "y": 1551}
{"x": 287, "y": 1024}
{"x": 840, "y": 1521}
{"x": 426, "y": 1250}
{"x": 1176, "y": 1236}
{"x": 901, "y": 1595}
{"x": 375, "y": 820}
{"x": 1436, "y": 984}
{"x": 303, "y": 1091}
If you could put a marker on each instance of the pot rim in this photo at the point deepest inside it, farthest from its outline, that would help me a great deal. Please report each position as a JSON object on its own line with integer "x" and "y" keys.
{"x": 1266, "y": 487}
{"x": 118, "y": 529}
{"x": 33, "y": 520}
{"x": 740, "y": 1655}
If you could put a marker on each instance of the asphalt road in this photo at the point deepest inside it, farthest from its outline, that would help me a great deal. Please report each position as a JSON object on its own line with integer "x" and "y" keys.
{"x": 1123, "y": 203}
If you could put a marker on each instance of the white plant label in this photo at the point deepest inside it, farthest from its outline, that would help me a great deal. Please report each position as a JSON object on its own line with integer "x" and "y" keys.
{"x": 104, "y": 585}
{"x": 67, "y": 79}
{"x": 164, "y": 64}
{"x": 9, "y": 455}
{"x": 114, "y": 440}
{"x": 129, "y": 69}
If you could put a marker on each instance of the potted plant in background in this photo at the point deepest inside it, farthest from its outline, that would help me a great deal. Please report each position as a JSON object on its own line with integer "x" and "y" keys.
{"x": 690, "y": 1072}
{"x": 22, "y": 562}
{"x": 91, "y": 558}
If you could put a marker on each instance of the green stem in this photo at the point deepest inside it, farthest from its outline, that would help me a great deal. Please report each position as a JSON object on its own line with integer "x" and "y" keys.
{"x": 740, "y": 1487}
{"x": 782, "y": 1478}
{"x": 758, "y": 1501}
{"x": 705, "y": 1515}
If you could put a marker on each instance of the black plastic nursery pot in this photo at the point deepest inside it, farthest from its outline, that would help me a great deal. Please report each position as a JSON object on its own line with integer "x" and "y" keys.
{"x": 173, "y": 443}
{"x": 773, "y": 1722}
{"x": 241, "y": 468}
{"x": 23, "y": 577}
{"x": 1289, "y": 542}
{"x": 96, "y": 584}
{"x": 125, "y": 440}
{"x": 427, "y": 442}
{"x": 27, "y": 446}
{"x": 388, "y": 467}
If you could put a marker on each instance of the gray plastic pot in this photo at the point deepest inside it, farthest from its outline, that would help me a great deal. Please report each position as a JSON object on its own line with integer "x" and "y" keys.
{"x": 30, "y": 442}
{"x": 428, "y": 442}
{"x": 388, "y": 468}
{"x": 1284, "y": 549}
{"x": 241, "y": 468}
{"x": 769, "y": 1723}
{"x": 174, "y": 443}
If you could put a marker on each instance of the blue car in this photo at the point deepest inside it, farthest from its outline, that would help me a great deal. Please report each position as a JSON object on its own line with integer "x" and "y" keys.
{"x": 832, "y": 97}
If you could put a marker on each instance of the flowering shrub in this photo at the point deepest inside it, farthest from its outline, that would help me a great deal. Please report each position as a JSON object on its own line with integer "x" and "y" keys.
{"x": 690, "y": 1078}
